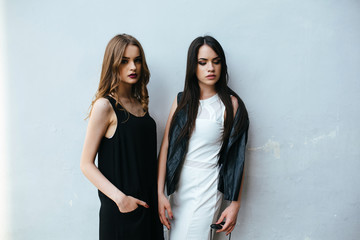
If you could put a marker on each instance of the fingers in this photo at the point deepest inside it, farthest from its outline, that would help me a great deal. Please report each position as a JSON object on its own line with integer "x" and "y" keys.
{"x": 221, "y": 218}
{"x": 170, "y": 213}
{"x": 163, "y": 219}
{"x": 228, "y": 226}
{"x": 230, "y": 214}
{"x": 168, "y": 209}
{"x": 142, "y": 203}
{"x": 231, "y": 229}
{"x": 128, "y": 204}
{"x": 164, "y": 206}
{"x": 161, "y": 215}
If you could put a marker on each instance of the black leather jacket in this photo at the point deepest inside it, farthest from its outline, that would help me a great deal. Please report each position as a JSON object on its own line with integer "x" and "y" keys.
{"x": 232, "y": 159}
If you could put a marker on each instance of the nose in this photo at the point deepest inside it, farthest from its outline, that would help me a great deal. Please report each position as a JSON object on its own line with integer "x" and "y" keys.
{"x": 211, "y": 67}
{"x": 132, "y": 65}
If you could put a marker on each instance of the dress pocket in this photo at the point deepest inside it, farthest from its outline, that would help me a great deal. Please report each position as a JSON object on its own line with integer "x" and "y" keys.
{"x": 134, "y": 224}
{"x": 136, "y": 210}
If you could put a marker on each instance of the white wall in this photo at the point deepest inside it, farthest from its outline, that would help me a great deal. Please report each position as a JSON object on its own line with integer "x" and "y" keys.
{"x": 294, "y": 63}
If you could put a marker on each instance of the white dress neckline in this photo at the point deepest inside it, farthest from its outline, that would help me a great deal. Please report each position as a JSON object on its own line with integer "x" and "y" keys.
{"x": 210, "y": 99}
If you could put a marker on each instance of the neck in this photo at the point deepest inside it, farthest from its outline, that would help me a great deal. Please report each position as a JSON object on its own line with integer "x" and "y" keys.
{"x": 125, "y": 91}
{"x": 207, "y": 91}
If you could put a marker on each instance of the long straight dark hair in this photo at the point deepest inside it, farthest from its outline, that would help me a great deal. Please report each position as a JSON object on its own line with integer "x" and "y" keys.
{"x": 191, "y": 94}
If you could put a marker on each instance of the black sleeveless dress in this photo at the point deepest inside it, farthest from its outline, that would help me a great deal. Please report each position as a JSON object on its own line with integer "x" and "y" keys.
{"x": 129, "y": 161}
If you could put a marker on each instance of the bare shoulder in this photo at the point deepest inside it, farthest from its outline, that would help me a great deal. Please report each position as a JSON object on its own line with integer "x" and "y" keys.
{"x": 173, "y": 107}
{"x": 102, "y": 106}
{"x": 235, "y": 103}
{"x": 172, "y": 111}
{"x": 175, "y": 101}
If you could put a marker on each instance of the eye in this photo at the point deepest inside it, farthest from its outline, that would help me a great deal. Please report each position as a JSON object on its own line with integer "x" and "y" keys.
{"x": 138, "y": 60}
{"x": 202, "y": 63}
{"x": 217, "y": 62}
{"x": 124, "y": 61}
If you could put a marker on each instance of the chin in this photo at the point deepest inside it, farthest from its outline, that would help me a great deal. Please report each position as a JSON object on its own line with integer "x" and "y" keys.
{"x": 133, "y": 81}
{"x": 209, "y": 82}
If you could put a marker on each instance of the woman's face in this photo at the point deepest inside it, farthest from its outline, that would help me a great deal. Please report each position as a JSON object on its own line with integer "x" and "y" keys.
{"x": 209, "y": 66}
{"x": 130, "y": 67}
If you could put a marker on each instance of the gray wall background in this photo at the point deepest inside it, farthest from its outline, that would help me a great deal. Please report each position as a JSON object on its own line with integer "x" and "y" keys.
{"x": 296, "y": 65}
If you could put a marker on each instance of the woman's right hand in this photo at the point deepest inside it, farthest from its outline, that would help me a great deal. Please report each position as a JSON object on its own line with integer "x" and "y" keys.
{"x": 164, "y": 205}
{"x": 129, "y": 204}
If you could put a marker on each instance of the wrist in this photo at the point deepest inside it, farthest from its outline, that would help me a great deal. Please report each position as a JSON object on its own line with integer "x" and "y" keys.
{"x": 235, "y": 204}
{"x": 160, "y": 190}
{"x": 119, "y": 198}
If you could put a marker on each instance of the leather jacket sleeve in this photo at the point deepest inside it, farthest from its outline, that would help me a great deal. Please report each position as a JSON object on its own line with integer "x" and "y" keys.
{"x": 233, "y": 159}
{"x": 233, "y": 167}
{"x": 176, "y": 151}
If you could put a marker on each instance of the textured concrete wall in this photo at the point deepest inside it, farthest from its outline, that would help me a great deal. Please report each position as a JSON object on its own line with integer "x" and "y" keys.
{"x": 294, "y": 63}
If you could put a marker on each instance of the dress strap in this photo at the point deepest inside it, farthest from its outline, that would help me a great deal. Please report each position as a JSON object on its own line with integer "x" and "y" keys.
{"x": 114, "y": 104}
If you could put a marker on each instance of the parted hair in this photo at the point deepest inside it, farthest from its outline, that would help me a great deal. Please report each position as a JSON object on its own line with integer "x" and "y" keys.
{"x": 110, "y": 73}
{"x": 191, "y": 94}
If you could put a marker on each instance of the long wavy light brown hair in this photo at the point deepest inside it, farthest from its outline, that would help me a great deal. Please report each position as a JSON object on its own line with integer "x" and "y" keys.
{"x": 110, "y": 74}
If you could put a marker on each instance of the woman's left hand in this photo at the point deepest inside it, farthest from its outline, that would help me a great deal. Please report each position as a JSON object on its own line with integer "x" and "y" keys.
{"x": 230, "y": 214}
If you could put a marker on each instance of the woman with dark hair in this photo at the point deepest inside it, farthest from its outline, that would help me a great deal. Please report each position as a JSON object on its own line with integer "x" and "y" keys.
{"x": 202, "y": 154}
{"x": 123, "y": 135}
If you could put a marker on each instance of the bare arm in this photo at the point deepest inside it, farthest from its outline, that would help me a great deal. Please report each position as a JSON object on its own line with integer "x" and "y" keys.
{"x": 101, "y": 118}
{"x": 164, "y": 204}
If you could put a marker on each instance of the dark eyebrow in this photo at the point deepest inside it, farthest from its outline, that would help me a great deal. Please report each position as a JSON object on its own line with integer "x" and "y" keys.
{"x": 207, "y": 59}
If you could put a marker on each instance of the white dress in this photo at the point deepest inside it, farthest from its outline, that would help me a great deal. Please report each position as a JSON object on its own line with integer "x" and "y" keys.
{"x": 196, "y": 201}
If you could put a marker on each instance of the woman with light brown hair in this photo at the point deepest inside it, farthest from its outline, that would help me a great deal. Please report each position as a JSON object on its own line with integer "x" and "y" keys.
{"x": 123, "y": 136}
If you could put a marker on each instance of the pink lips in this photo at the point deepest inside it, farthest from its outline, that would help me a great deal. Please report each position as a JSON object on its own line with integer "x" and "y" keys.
{"x": 211, "y": 76}
{"x": 133, "y": 75}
